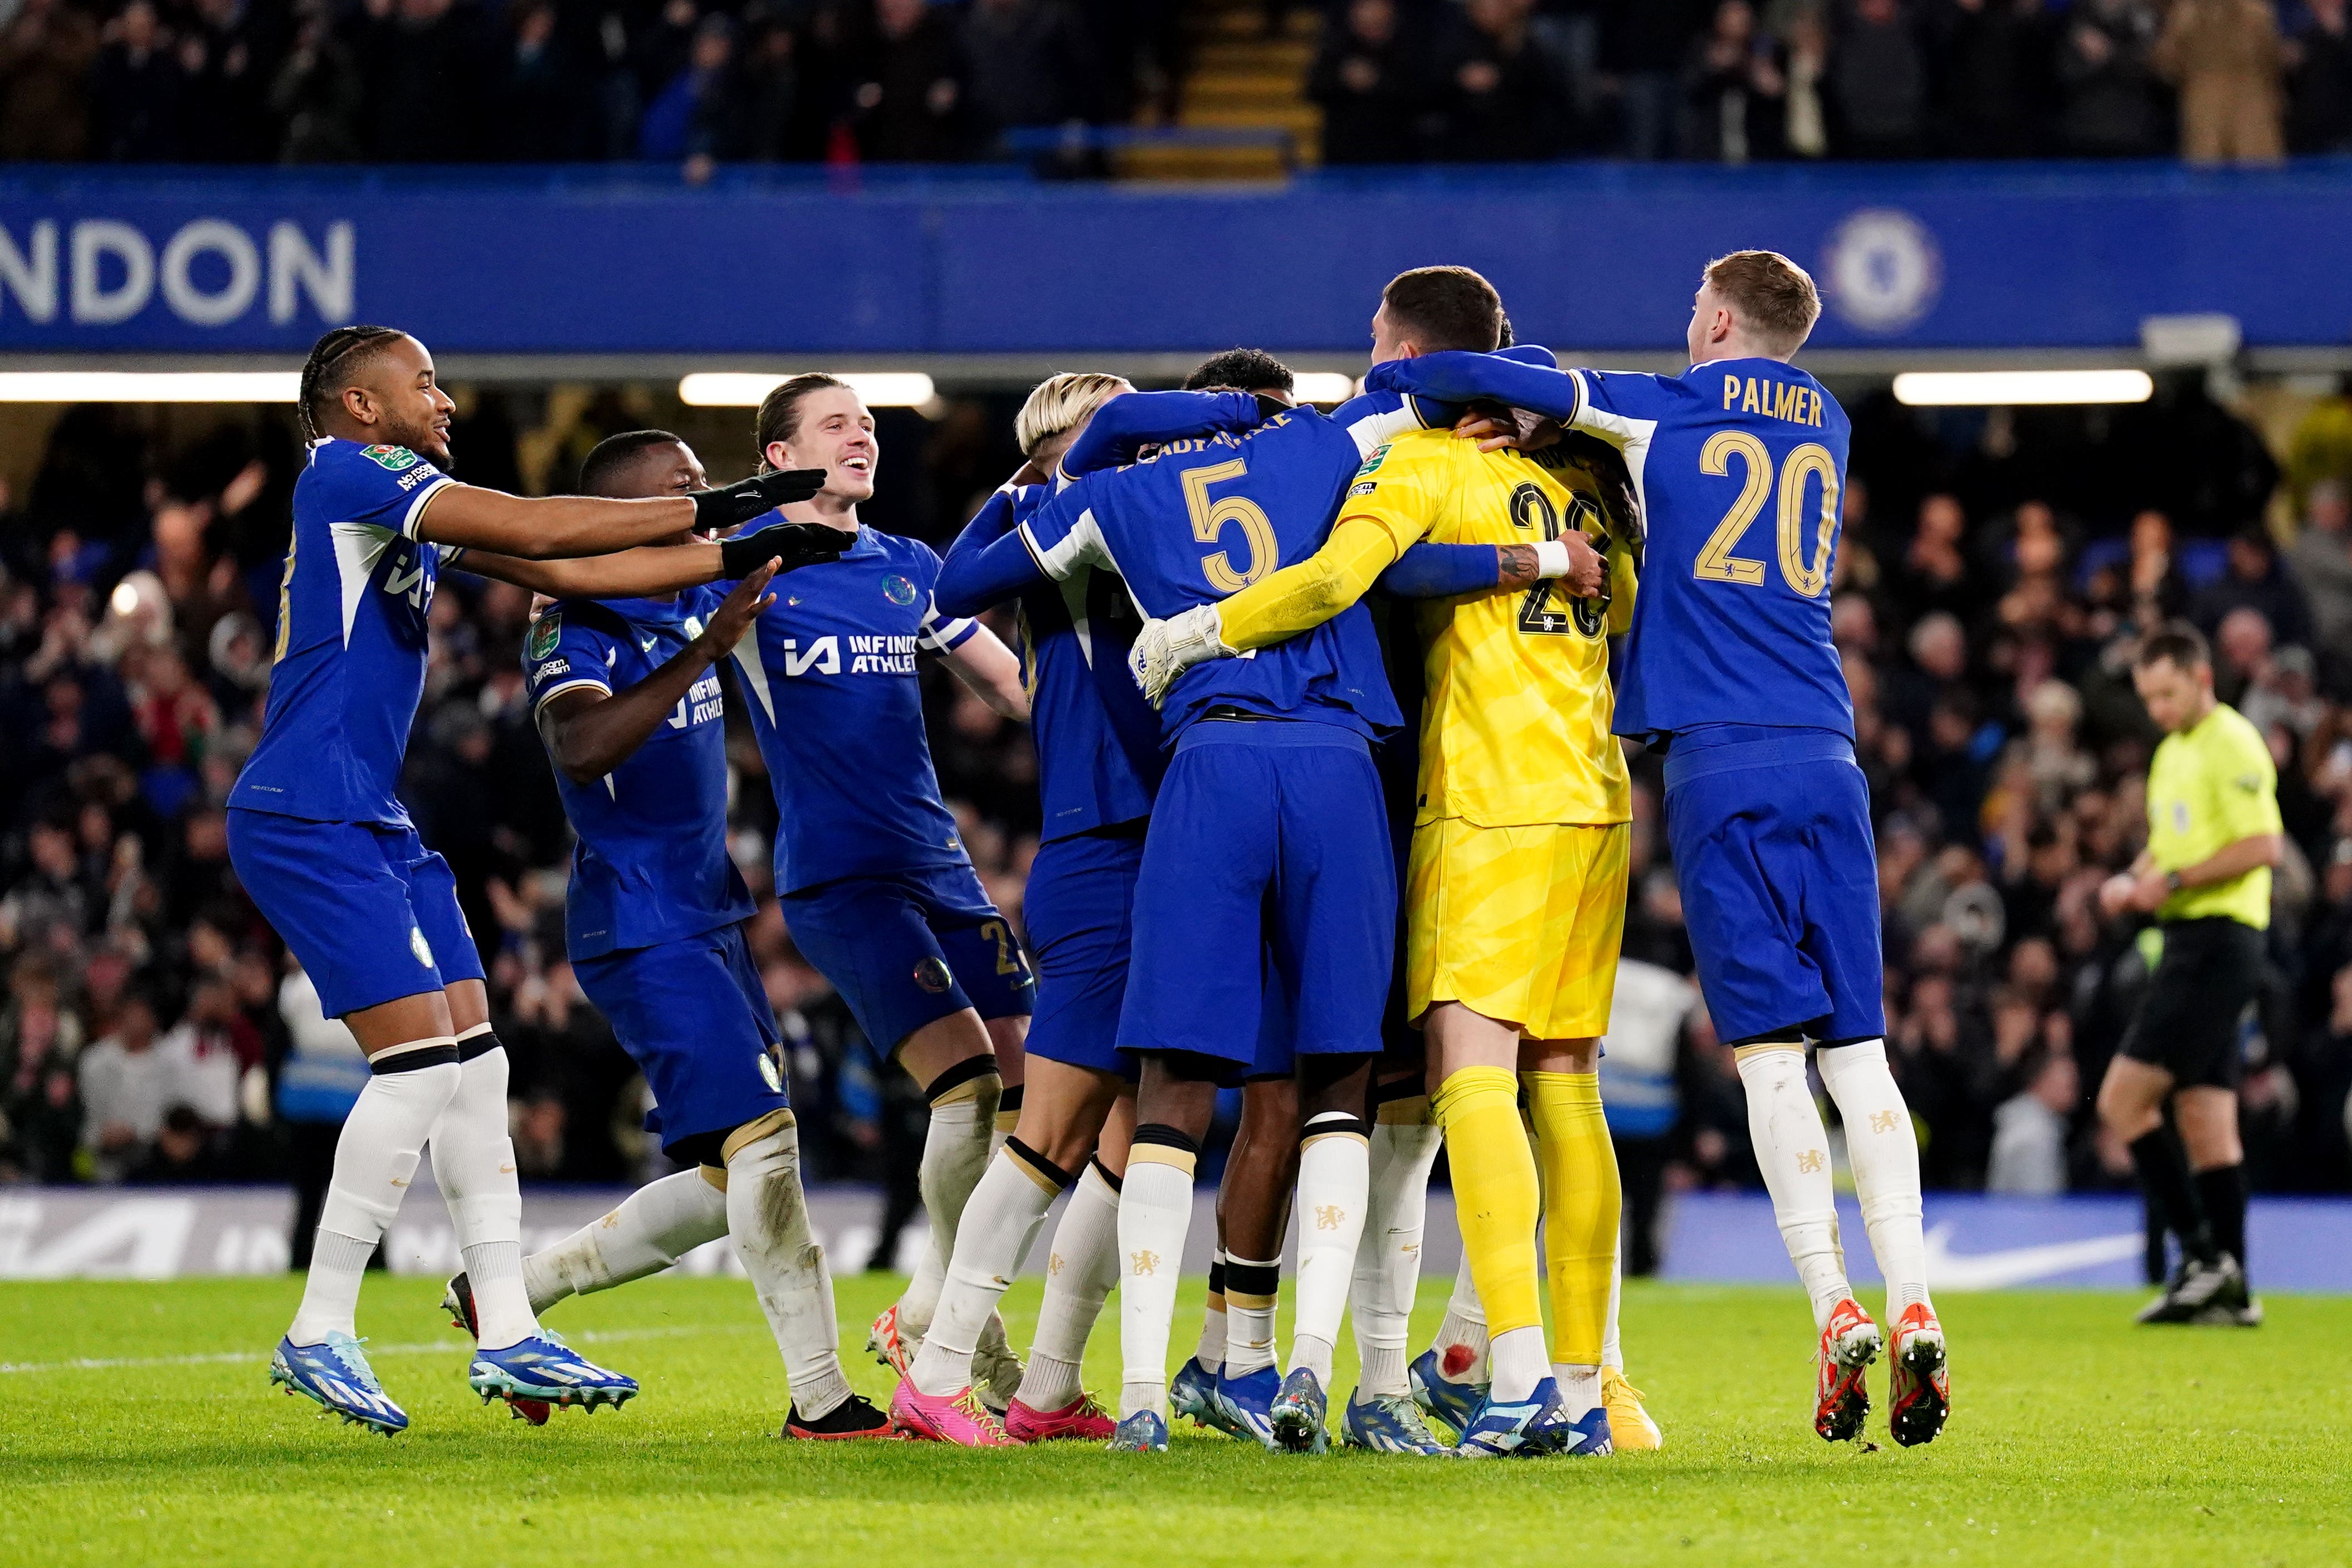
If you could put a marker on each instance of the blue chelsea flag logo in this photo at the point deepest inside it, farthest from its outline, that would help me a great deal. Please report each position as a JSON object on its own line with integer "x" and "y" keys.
{"x": 897, "y": 590}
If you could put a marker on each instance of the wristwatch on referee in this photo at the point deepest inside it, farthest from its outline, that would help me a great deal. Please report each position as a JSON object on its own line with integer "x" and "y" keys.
{"x": 2172, "y": 881}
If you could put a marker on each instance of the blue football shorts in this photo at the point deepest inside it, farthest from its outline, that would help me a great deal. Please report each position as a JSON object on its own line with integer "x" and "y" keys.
{"x": 693, "y": 1014}
{"x": 1077, "y": 908}
{"x": 369, "y": 912}
{"x": 1270, "y": 846}
{"x": 1778, "y": 876}
{"x": 905, "y": 949}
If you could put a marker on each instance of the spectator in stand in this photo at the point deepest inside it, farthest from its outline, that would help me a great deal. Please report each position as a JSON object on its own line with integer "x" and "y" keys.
{"x": 535, "y": 114}
{"x": 1642, "y": 44}
{"x": 228, "y": 58}
{"x": 694, "y": 118}
{"x": 1935, "y": 573}
{"x": 40, "y": 1101}
{"x": 317, "y": 95}
{"x": 1030, "y": 63}
{"x": 127, "y": 1085}
{"x": 2112, "y": 106}
{"x": 2321, "y": 562}
{"x": 2030, "y": 1129}
{"x": 46, "y": 52}
{"x": 1501, "y": 94}
{"x": 422, "y": 64}
{"x": 910, "y": 98}
{"x": 1996, "y": 78}
{"x": 2226, "y": 58}
{"x": 1878, "y": 82}
{"x": 2319, "y": 80}
{"x": 135, "y": 91}
{"x": 2255, "y": 580}
{"x": 1366, "y": 80}
{"x": 1739, "y": 92}
{"x": 2158, "y": 592}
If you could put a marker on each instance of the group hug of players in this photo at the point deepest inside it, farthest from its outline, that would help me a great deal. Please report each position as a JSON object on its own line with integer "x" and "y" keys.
{"x": 1204, "y": 580}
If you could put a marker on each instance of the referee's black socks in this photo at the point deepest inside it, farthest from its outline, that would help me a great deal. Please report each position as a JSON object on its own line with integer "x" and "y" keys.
{"x": 2164, "y": 1175}
{"x": 2221, "y": 1192}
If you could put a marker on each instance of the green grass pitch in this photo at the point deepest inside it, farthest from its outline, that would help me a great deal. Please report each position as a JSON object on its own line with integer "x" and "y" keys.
{"x": 2078, "y": 1438}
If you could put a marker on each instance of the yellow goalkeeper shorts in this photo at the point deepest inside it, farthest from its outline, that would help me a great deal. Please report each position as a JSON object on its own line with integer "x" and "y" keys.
{"x": 1518, "y": 924}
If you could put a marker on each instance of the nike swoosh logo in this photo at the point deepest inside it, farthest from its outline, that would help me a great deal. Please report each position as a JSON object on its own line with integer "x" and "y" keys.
{"x": 645, "y": 645}
{"x": 2017, "y": 1265}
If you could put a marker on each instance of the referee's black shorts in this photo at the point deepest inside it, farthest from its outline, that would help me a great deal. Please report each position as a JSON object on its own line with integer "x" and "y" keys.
{"x": 2188, "y": 1021}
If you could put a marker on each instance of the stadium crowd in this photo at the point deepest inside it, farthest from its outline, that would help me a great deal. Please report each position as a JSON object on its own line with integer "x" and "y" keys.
{"x": 714, "y": 81}
{"x": 1986, "y": 623}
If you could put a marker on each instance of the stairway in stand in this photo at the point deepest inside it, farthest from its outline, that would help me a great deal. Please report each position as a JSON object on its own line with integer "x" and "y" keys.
{"x": 1242, "y": 80}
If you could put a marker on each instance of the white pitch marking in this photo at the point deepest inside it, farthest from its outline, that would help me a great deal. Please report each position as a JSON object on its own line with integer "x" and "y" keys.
{"x": 425, "y": 1347}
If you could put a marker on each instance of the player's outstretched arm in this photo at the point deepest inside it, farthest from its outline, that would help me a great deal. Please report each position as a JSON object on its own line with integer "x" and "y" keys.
{"x": 988, "y": 563}
{"x": 1451, "y": 571}
{"x": 652, "y": 570}
{"x": 985, "y": 665}
{"x": 589, "y": 733}
{"x": 1457, "y": 376}
{"x": 1123, "y": 426}
{"x": 554, "y": 527}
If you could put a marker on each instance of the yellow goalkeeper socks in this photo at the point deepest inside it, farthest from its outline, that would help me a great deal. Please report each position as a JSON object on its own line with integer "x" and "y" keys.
{"x": 1580, "y": 1208}
{"x": 1494, "y": 1196}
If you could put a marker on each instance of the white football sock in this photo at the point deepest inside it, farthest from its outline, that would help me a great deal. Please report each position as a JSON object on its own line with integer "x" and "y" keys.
{"x": 1612, "y": 1353}
{"x": 1155, "y": 1211}
{"x": 1080, "y": 1269}
{"x": 654, "y": 1227}
{"x": 1792, "y": 1149}
{"x": 474, "y": 1162}
{"x": 1388, "y": 1259}
{"x": 1883, "y": 1150}
{"x": 1334, "y": 1178}
{"x": 375, "y": 1157}
{"x": 956, "y": 1149}
{"x": 1579, "y": 1386}
{"x": 998, "y": 1223}
{"x": 1461, "y": 1344}
{"x": 1520, "y": 1361}
{"x": 1252, "y": 1286}
{"x": 767, "y": 1218}
{"x": 1211, "y": 1350}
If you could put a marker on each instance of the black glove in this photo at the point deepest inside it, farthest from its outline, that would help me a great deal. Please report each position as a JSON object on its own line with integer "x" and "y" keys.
{"x": 715, "y": 511}
{"x": 793, "y": 545}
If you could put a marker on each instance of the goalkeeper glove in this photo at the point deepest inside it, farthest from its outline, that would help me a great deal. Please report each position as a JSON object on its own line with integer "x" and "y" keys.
{"x": 1165, "y": 649}
{"x": 790, "y": 544}
{"x": 715, "y": 511}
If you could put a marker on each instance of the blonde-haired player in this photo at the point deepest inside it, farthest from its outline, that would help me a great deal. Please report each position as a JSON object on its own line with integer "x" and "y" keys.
{"x": 1517, "y": 885}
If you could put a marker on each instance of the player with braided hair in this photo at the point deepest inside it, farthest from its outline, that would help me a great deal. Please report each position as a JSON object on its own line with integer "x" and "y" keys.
{"x": 321, "y": 842}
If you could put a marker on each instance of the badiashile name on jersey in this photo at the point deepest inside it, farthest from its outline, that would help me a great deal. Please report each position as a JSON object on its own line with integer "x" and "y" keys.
{"x": 1779, "y": 399}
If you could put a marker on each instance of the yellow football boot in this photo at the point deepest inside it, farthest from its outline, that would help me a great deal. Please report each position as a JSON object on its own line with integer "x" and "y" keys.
{"x": 1630, "y": 1426}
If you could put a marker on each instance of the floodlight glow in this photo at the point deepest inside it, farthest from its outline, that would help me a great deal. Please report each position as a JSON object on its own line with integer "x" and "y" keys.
{"x": 1322, "y": 386}
{"x": 744, "y": 389}
{"x": 149, "y": 386}
{"x": 1940, "y": 389}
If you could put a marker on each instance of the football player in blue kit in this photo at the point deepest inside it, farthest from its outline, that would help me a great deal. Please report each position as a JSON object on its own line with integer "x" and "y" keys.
{"x": 321, "y": 842}
{"x": 870, "y": 869}
{"x": 627, "y": 698}
{"x": 1731, "y": 671}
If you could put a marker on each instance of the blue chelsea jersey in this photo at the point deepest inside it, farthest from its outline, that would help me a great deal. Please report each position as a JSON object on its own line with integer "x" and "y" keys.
{"x": 837, "y": 705}
{"x": 1741, "y": 469}
{"x": 1099, "y": 760}
{"x": 351, "y": 639}
{"x": 1205, "y": 518}
{"x": 651, "y": 864}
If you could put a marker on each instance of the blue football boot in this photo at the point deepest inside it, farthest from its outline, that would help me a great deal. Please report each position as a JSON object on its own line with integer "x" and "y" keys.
{"x": 336, "y": 1373}
{"x": 1301, "y": 1414}
{"x": 1194, "y": 1393}
{"x": 1246, "y": 1404}
{"x": 1587, "y": 1437}
{"x": 1141, "y": 1433}
{"x": 1441, "y": 1398}
{"x": 1524, "y": 1428}
{"x": 544, "y": 1367}
{"x": 1387, "y": 1424}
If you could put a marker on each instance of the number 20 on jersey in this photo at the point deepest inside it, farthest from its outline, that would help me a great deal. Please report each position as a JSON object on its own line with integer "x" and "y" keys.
{"x": 1804, "y": 562}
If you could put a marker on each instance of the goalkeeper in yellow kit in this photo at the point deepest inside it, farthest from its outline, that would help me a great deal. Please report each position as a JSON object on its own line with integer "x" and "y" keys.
{"x": 1518, "y": 874}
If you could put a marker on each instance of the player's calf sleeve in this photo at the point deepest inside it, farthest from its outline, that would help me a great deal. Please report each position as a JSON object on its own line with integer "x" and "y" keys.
{"x": 654, "y": 1227}
{"x": 474, "y": 1162}
{"x": 1792, "y": 1149}
{"x": 1496, "y": 1203}
{"x": 375, "y": 1158}
{"x": 767, "y": 1218}
{"x": 1404, "y": 1147}
{"x": 2221, "y": 1194}
{"x": 1581, "y": 1201}
{"x": 956, "y": 1145}
{"x": 1215, "y": 1318}
{"x": 1883, "y": 1150}
{"x": 1334, "y": 1188}
{"x": 999, "y": 1223}
{"x": 1249, "y": 1291}
{"x": 1081, "y": 1267}
{"x": 1462, "y": 1340}
{"x": 1155, "y": 1210}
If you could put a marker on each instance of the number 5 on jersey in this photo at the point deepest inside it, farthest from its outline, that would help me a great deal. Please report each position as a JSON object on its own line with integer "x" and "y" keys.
{"x": 1808, "y": 577}
{"x": 1209, "y": 520}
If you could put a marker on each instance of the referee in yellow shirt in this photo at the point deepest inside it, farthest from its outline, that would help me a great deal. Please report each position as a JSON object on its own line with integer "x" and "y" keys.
{"x": 2213, "y": 835}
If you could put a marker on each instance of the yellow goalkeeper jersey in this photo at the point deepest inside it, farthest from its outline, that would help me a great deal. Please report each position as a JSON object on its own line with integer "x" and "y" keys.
{"x": 1515, "y": 730}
